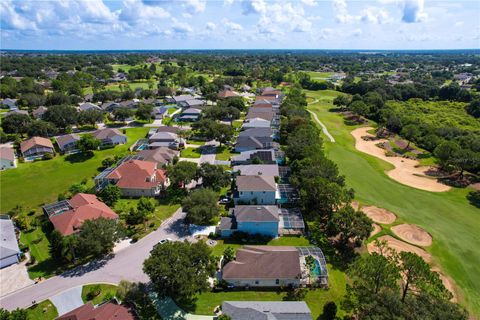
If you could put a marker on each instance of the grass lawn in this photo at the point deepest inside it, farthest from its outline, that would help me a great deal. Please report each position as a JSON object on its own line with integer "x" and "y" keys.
{"x": 315, "y": 299}
{"x": 33, "y": 184}
{"x": 105, "y": 292}
{"x": 163, "y": 210}
{"x": 447, "y": 216}
{"x": 315, "y": 75}
{"x": 196, "y": 142}
{"x": 116, "y": 87}
{"x": 44, "y": 310}
{"x": 224, "y": 153}
{"x": 190, "y": 153}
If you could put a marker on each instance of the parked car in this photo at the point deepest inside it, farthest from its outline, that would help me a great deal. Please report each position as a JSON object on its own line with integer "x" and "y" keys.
{"x": 163, "y": 241}
{"x": 224, "y": 200}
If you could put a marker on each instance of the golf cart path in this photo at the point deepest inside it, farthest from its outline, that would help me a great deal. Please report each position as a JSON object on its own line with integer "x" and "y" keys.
{"x": 324, "y": 129}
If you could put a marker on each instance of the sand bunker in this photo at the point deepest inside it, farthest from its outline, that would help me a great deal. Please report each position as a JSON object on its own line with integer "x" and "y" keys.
{"x": 379, "y": 215}
{"x": 376, "y": 229}
{"x": 399, "y": 246}
{"x": 413, "y": 234}
{"x": 448, "y": 283}
{"x": 406, "y": 170}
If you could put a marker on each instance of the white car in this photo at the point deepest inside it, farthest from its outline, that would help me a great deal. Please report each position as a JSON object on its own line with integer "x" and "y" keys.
{"x": 164, "y": 241}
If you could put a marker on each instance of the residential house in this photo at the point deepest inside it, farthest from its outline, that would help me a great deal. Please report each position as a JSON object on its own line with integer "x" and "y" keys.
{"x": 256, "y": 123}
{"x": 252, "y": 219}
{"x": 193, "y": 103}
{"x": 190, "y": 115}
{"x": 255, "y": 156}
{"x": 68, "y": 142}
{"x": 254, "y": 138}
{"x": 88, "y": 106}
{"x": 67, "y": 216}
{"x": 264, "y": 266}
{"x": 36, "y": 147}
{"x": 178, "y": 100}
{"x": 161, "y": 155}
{"x": 9, "y": 103}
{"x": 136, "y": 178}
{"x": 129, "y": 104}
{"x": 260, "y": 113}
{"x": 110, "y": 106}
{"x": 159, "y": 112}
{"x": 256, "y": 190}
{"x": 257, "y": 170}
{"x": 245, "y": 88}
{"x": 15, "y": 111}
{"x": 104, "y": 311}
{"x": 39, "y": 112}
{"x": 9, "y": 251}
{"x": 88, "y": 97}
{"x": 109, "y": 136}
{"x": 7, "y": 158}
{"x": 165, "y": 139}
{"x": 266, "y": 310}
{"x": 224, "y": 94}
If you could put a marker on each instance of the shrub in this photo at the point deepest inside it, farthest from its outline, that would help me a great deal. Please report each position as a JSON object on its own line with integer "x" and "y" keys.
{"x": 94, "y": 292}
{"x": 474, "y": 198}
{"x": 47, "y": 156}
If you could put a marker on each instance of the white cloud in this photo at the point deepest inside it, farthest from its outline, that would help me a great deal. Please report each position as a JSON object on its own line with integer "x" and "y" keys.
{"x": 181, "y": 27}
{"x": 341, "y": 12}
{"x": 211, "y": 26}
{"x": 413, "y": 11}
{"x": 254, "y": 7}
{"x": 135, "y": 12}
{"x": 195, "y": 6}
{"x": 231, "y": 26}
{"x": 227, "y": 3}
{"x": 375, "y": 15}
{"x": 10, "y": 19}
{"x": 309, "y": 2}
{"x": 357, "y": 32}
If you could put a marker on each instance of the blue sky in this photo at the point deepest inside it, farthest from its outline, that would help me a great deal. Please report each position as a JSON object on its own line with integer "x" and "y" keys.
{"x": 239, "y": 24}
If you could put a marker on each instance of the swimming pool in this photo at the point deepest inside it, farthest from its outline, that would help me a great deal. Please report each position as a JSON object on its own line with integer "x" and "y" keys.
{"x": 317, "y": 270}
{"x": 143, "y": 146}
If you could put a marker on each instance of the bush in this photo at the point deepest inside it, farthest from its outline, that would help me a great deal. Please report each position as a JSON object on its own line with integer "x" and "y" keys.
{"x": 47, "y": 156}
{"x": 94, "y": 292}
{"x": 474, "y": 198}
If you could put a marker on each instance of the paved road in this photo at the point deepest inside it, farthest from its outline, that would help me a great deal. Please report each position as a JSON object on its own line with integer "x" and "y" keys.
{"x": 324, "y": 129}
{"x": 126, "y": 264}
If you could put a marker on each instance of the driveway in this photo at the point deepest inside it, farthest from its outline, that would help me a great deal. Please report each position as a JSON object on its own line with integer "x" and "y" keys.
{"x": 13, "y": 278}
{"x": 208, "y": 152}
{"x": 68, "y": 300}
{"x": 126, "y": 264}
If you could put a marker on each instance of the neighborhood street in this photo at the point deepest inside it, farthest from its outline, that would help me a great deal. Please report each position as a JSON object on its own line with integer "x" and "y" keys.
{"x": 125, "y": 265}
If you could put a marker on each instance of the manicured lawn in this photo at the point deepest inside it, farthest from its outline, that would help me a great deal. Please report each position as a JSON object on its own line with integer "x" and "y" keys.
{"x": 316, "y": 298}
{"x": 116, "y": 87}
{"x": 447, "y": 216}
{"x": 190, "y": 153}
{"x": 33, "y": 184}
{"x": 44, "y": 310}
{"x": 196, "y": 142}
{"x": 315, "y": 75}
{"x": 39, "y": 246}
{"x": 224, "y": 153}
{"x": 107, "y": 292}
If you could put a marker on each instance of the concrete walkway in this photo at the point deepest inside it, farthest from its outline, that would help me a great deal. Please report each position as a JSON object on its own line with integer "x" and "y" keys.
{"x": 68, "y": 300}
{"x": 324, "y": 129}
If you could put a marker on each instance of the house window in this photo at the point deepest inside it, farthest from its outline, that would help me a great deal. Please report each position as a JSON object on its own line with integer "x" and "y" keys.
{"x": 251, "y": 193}
{"x": 277, "y": 281}
{"x": 256, "y": 282}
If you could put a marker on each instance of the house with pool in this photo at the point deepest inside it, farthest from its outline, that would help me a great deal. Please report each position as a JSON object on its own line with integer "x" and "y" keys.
{"x": 276, "y": 266}
{"x": 252, "y": 219}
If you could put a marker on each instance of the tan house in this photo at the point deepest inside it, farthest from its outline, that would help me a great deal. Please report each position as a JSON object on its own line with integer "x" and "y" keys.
{"x": 264, "y": 266}
{"x": 7, "y": 158}
{"x": 137, "y": 178}
{"x": 36, "y": 147}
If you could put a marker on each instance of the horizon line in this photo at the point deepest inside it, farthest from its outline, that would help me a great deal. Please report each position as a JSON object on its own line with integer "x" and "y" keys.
{"x": 235, "y": 49}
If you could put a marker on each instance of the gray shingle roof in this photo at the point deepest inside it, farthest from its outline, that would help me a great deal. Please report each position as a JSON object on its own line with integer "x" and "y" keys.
{"x": 255, "y": 213}
{"x": 256, "y": 183}
{"x": 8, "y": 239}
{"x": 258, "y": 169}
{"x": 267, "y": 310}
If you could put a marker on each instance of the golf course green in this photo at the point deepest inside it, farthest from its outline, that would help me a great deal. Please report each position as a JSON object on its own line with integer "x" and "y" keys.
{"x": 447, "y": 216}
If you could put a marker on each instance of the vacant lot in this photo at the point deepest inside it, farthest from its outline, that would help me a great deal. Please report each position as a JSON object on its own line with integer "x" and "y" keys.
{"x": 447, "y": 216}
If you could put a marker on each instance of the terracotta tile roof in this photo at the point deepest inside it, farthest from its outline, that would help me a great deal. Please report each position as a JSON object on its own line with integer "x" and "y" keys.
{"x": 137, "y": 174}
{"x": 7, "y": 153}
{"x": 256, "y": 183}
{"x": 106, "y": 311}
{"x": 227, "y": 94}
{"x": 264, "y": 262}
{"x": 85, "y": 207}
{"x": 30, "y": 143}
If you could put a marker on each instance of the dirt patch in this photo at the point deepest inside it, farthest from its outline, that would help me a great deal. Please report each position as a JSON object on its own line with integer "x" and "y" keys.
{"x": 399, "y": 246}
{"x": 379, "y": 215}
{"x": 475, "y": 186}
{"x": 407, "y": 171}
{"x": 413, "y": 234}
{"x": 376, "y": 229}
{"x": 355, "y": 205}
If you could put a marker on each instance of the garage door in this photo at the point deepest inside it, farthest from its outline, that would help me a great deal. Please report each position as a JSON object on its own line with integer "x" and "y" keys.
{"x": 5, "y": 262}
